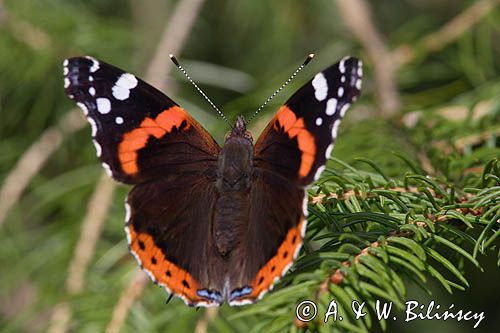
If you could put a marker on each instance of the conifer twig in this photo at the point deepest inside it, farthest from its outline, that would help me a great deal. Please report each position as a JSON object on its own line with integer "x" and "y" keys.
{"x": 321, "y": 197}
{"x": 337, "y": 277}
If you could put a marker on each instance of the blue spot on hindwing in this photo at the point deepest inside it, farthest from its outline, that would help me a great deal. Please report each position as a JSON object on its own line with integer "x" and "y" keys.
{"x": 240, "y": 292}
{"x": 212, "y": 295}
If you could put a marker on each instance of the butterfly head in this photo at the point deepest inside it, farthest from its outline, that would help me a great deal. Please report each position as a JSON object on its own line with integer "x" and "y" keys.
{"x": 239, "y": 131}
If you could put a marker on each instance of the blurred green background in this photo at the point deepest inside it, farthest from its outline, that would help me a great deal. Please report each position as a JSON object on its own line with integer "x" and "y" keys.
{"x": 431, "y": 93}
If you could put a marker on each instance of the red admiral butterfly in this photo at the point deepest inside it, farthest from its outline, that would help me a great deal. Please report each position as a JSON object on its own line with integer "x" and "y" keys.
{"x": 211, "y": 224}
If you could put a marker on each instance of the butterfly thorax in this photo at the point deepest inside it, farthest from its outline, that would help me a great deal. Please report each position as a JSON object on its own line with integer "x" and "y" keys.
{"x": 235, "y": 168}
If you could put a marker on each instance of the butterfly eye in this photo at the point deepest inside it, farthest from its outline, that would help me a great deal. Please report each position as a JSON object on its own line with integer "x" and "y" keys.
{"x": 248, "y": 136}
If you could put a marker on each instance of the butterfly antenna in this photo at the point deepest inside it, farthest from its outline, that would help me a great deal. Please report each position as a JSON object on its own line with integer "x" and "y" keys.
{"x": 294, "y": 74}
{"x": 174, "y": 60}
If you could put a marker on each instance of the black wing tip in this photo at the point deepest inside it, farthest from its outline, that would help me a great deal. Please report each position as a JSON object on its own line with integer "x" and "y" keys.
{"x": 84, "y": 58}
{"x": 350, "y": 60}
{"x": 174, "y": 60}
{"x": 310, "y": 56}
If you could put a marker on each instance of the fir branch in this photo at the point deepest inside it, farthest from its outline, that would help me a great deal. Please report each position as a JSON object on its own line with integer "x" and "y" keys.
{"x": 419, "y": 232}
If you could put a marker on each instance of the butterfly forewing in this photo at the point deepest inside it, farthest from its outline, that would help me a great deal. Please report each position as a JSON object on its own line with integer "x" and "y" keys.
{"x": 299, "y": 139}
{"x": 138, "y": 132}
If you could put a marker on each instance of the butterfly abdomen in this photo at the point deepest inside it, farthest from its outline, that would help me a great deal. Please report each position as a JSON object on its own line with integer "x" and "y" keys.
{"x": 230, "y": 221}
{"x": 234, "y": 172}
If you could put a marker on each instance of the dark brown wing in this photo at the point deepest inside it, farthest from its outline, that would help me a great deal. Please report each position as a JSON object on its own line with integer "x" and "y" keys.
{"x": 168, "y": 227}
{"x": 277, "y": 224}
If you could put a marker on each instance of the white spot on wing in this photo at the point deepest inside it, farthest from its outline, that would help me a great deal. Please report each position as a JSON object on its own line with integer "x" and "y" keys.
{"x": 342, "y": 65}
{"x": 66, "y": 82}
{"x": 319, "y": 121}
{"x": 83, "y": 107}
{"x": 239, "y": 303}
{"x": 127, "y": 212}
{"x": 358, "y": 84}
{"x": 320, "y": 87}
{"x": 329, "y": 150}
{"x": 331, "y": 106}
{"x": 297, "y": 249}
{"x": 107, "y": 169}
{"x": 344, "y": 108}
{"x": 360, "y": 69}
{"x": 286, "y": 269}
{"x": 121, "y": 93}
{"x": 304, "y": 205}
{"x": 340, "y": 92}
{"x": 65, "y": 70}
{"x": 119, "y": 120}
{"x": 264, "y": 292}
{"x": 148, "y": 272}
{"x": 97, "y": 148}
{"x": 342, "y": 79}
{"x": 129, "y": 238}
{"x": 204, "y": 304}
{"x": 95, "y": 64}
{"x": 93, "y": 126}
{"x": 135, "y": 256}
{"x": 65, "y": 62}
{"x": 335, "y": 128}
{"x": 92, "y": 91}
{"x": 303, "y": 230}
{"x": 91, "y": 78}
{"x": 103, "y": 105}
{"x": 122, "y": 87}
{"x": 319, "y": 172}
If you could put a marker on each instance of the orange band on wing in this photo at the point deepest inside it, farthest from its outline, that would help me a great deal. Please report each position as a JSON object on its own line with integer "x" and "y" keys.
{"x": 177, "y": 280}
{"x": 279, "y": 264}
{"x": 137, "y": 139}
{"x": 296, "y": 128}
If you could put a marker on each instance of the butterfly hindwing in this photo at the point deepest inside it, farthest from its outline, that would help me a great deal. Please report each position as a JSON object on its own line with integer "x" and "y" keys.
{"x": 139, "y": 133}
{"x": 168, "y": 229}
{"x": 299, "y": 139}
{"x": 277, "y": 216}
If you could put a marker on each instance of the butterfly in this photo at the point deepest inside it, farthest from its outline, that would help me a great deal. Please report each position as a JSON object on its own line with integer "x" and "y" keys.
{"x": 211, "y": 224}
